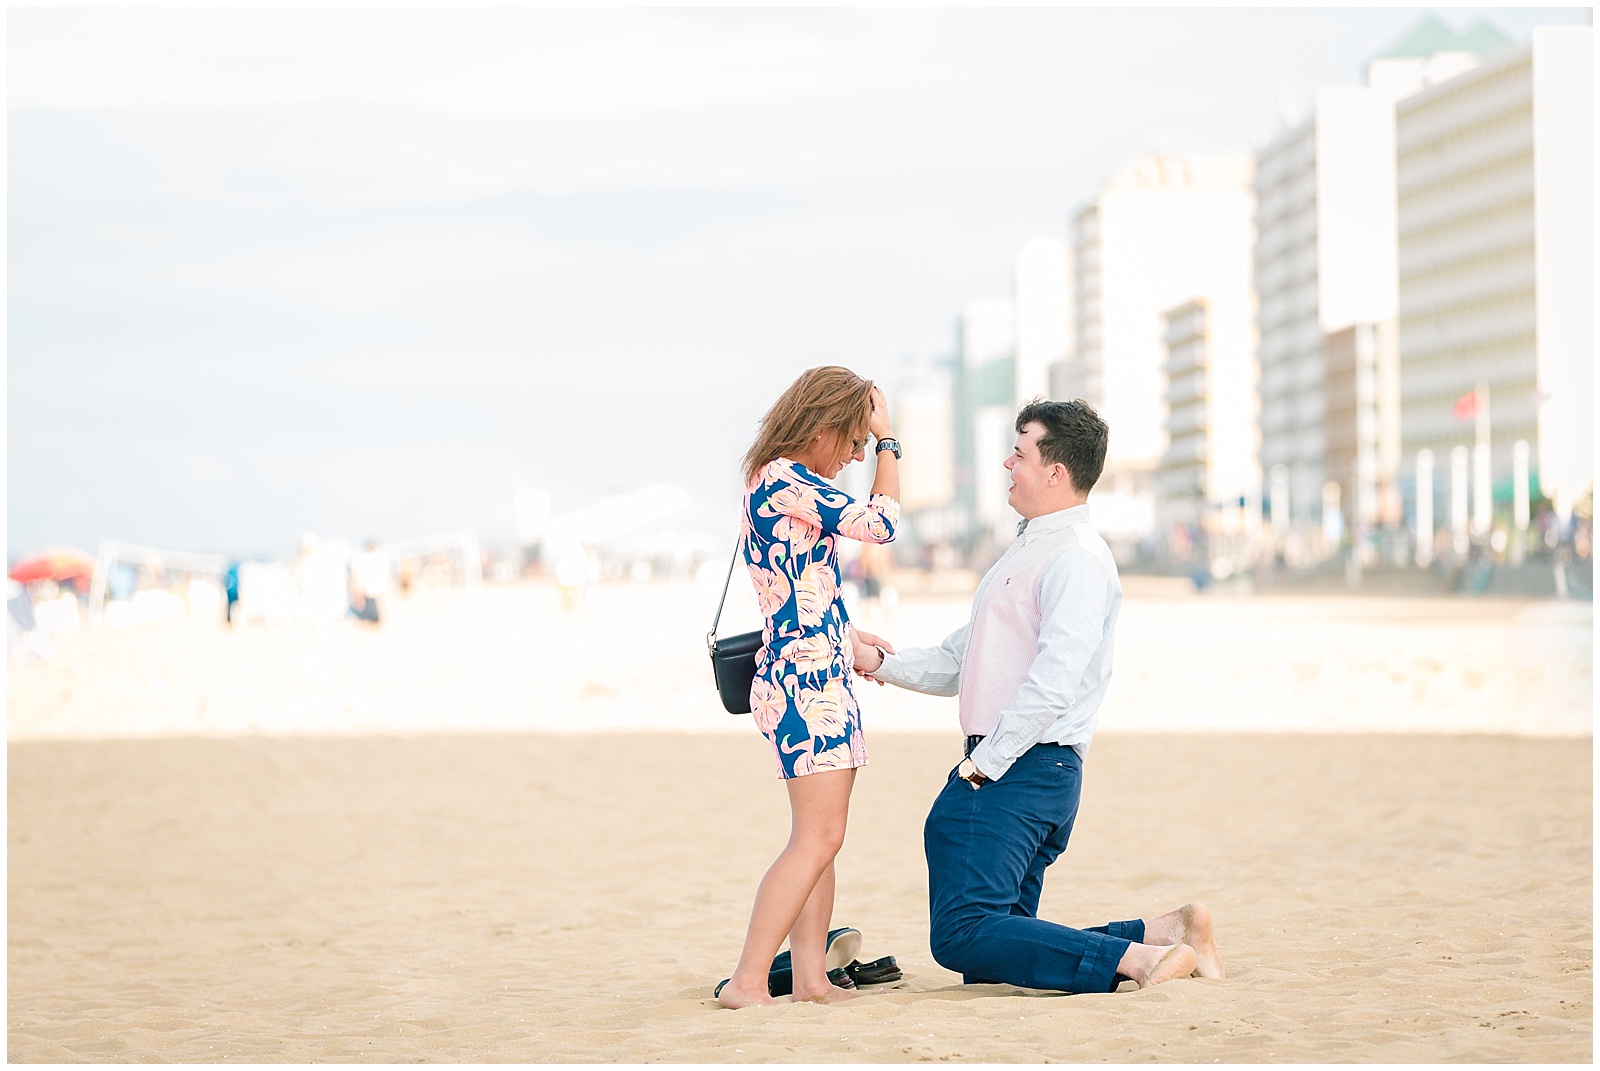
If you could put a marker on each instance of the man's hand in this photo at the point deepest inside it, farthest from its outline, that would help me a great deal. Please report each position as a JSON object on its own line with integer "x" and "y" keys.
{"x": 869, "y": 651}
{"x": 968, "y": 771}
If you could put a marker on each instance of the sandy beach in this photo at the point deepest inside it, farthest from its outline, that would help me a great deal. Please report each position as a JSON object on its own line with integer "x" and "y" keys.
{"x": 280, "y": 847}
{"x": 542, "y": 898}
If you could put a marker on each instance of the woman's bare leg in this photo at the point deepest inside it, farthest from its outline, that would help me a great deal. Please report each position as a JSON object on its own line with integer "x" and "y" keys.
{"x": 819, "y": 805}
{"x": 808, "y": 942}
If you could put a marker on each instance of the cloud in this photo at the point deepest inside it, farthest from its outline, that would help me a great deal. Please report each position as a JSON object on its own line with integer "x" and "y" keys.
{"x": 536, "y": 240}
{"x": 492, "y": 62}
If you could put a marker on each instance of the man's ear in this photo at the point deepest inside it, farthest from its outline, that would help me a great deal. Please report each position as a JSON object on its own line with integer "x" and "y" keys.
{"x": 1058, "y": 474}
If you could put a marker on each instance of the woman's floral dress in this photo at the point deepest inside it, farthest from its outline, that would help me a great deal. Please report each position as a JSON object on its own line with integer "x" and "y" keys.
{"x": 801, "y": 696}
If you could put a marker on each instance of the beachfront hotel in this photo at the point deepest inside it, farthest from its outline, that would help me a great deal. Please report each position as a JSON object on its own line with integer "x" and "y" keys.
{"x": 1209, "y": 478}
{"x": 1361, "y": 424}
{"x": 1496, "y": 275}
{"x": 1164, "y": 230}
{"x": 1327, "y": 280}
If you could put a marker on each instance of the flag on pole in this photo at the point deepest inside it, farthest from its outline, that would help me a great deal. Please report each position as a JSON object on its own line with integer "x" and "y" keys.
{"x": 1466, "y": 406}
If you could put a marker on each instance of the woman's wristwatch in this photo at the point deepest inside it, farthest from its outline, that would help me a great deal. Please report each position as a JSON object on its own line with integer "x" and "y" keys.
{"x": 891, "y": 444}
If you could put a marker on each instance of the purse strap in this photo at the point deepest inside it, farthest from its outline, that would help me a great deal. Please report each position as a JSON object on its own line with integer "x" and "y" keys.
{"x": 711, "y": 637}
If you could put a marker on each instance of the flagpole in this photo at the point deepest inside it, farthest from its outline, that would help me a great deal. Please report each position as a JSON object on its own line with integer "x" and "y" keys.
{"x": 1483, "y": 504}
{"x": 1424, "y": 508}
{"x": 1519, "y": 499}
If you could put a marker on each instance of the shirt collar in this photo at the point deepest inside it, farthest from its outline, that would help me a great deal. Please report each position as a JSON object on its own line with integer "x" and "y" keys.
{"x": 1052, "y": 522}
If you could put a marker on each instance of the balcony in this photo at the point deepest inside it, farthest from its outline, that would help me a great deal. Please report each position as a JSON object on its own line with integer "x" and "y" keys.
{"x": 1185, "y": 450}
{"x": 1186, "y": 420}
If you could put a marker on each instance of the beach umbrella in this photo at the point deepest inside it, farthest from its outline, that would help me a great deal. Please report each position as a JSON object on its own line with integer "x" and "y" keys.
{"x": 57, "y": 563}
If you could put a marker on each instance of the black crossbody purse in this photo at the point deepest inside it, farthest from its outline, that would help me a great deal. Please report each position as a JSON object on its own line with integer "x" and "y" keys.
{"x": 733, "y": 658}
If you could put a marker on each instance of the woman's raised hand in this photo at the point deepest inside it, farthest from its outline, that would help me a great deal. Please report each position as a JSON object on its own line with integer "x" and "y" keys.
{"x": 879, "y": 424}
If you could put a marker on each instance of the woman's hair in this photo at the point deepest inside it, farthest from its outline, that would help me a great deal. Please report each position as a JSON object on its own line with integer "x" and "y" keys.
{"x": 823, "y": 399}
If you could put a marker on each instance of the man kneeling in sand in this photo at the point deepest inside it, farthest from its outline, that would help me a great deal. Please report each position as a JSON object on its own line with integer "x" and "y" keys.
{"x": 1031, "y": 667}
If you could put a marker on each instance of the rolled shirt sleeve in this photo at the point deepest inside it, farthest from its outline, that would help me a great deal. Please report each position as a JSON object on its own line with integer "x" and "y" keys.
{"x": 812, "y": 500}
{"x": 1074, "y": 601}
{"x": 872, "y": 521}
{"x": 930, "y": 670}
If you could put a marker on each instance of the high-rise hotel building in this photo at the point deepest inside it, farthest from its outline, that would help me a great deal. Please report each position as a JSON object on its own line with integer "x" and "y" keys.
{"x": 1209, "y": 476}
{"x": 1164, "y": 230}
{"x": 1326, "y": 277}
{"x": 1496, "y": 261}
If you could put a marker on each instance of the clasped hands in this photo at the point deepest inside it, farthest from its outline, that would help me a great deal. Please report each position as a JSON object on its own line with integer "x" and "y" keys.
{"x": 868, "y": 652}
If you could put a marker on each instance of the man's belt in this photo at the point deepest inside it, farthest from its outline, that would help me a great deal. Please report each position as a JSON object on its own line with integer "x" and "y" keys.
{"x": 974, "y": 741}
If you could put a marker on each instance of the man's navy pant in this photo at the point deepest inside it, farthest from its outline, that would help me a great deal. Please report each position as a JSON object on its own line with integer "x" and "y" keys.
{"x": 987, "y": 851}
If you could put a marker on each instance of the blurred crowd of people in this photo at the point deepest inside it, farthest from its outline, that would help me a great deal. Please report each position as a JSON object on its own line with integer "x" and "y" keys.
{"x": 324, "y": 583}
{"x": 328, "y": 581}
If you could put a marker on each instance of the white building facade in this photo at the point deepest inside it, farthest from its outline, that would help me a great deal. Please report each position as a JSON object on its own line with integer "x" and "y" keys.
{"x": 1496, "y": 272}
{"x": 1042, "y": 297}
{"x": 1325, "y": 261}
{"x": 1164, "y": 230}
{"x": 1209, "y": 476}
{"x": 1362, "y": 428}
{"x": 1181, "y": 478}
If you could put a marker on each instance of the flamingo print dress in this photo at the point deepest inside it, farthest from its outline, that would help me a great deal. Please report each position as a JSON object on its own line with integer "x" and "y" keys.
{"x": 801, "y": 697}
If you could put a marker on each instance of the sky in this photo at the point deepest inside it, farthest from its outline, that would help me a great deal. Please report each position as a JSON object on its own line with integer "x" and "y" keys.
{"x": 367, "y": 272}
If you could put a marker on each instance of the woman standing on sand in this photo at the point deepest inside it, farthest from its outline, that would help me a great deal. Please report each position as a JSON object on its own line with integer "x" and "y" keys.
{"x": 801, "y": 697}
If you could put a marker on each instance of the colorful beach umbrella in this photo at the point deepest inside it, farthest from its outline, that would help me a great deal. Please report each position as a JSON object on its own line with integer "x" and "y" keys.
{"x": 57, "y": 563}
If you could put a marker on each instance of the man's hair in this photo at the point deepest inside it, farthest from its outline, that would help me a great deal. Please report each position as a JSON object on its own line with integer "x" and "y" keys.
{"x": 1074, "y": 436}
{"x": 823, "y": 399}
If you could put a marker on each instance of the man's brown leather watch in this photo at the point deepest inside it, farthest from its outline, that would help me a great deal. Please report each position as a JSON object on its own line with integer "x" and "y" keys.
{"x": 968, "y": 771}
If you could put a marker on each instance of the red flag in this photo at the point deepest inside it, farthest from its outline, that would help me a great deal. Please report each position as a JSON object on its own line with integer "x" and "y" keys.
{"x": 1466, "y": 406}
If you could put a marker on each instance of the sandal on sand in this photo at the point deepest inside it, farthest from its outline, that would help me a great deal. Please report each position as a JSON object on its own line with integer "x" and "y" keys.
{"x": 843, "y": 944}
{"x": 883, "y": 971}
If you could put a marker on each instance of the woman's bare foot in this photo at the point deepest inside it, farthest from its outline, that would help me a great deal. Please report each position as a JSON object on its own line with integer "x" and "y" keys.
{"x": 734, "y": 996}
{"x": 1189, "y": 925}
{"x": 1153, "y": 964}
{"x": 831, "y": 995}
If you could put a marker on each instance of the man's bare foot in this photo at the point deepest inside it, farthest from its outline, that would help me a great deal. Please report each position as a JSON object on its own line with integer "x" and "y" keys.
{"x": 732, "y": 996}
{"x": 1177, "y": 961}
{"x": 1197, "y": 934}
{"x": 1189, "y": 925}
{"x": 1153, "y": 964}
{"x": 832, "y": 995}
